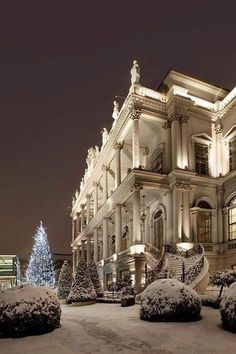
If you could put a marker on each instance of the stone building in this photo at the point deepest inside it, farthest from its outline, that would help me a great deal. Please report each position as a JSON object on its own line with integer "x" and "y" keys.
{"x": 164, "y": 175}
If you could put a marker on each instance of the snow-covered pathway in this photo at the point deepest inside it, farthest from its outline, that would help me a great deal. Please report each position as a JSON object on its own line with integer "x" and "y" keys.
{"x": 109, "y": 328}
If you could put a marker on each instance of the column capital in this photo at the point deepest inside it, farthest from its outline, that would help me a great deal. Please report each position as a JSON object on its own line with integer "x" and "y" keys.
{"x": 218, "y": 128}
{"x": 135, "y": 114}
{"x": 145, "y": 151}
{"x": 95, "y": 184}
{"x": 167, "y": 124}
{"x": 183, "y": 187}
{"x": 137, "y": 187}
{"x": 179, "y": 116}
{"x": 220, "y": 191}
{"x": 82, "y": 206}
{"x": 117, "y": 205}
{"x": 118, "y": 146}
{"x": 88, "y": 196}
{"x": 105, "y": 167}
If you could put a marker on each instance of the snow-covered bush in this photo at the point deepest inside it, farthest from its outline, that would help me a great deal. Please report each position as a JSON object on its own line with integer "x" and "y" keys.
{"x": 223, "y": 279}
{"x": 28, "y": 309}
{"x": 211, "y": 301}
{"x": 228, "y": 308}
{"x": 64, "y": 282}
{"x": 82, "y": 289}
{"x": 169, "y": 300}
{"x": 93, "y": 273}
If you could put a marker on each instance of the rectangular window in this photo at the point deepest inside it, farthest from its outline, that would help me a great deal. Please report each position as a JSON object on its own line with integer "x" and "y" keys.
{"x": 201, "y": 159}
{"x": 204, "y": 227}
{"x": 232, "y": 223}
{"x": 232, "y": 154}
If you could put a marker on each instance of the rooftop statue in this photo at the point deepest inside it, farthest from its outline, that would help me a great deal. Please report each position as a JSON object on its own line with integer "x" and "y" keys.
{"x": 115, "y": 113}
{"x": 91, "y": 156}
{"x": 73, "y": 201}
{"x": 97, "y": 152}
{"x": 76, "y": 194}
{"x": 104, "y": 136}
{"x": 135, "y": 73}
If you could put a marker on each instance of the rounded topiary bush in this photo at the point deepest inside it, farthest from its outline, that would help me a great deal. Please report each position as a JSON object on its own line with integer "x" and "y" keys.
{"x": 169, "y": 300}
{"x": 228, "y": 308}
{"x": 28, "y": 309}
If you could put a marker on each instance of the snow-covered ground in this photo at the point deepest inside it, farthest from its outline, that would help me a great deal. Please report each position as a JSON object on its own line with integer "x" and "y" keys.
{"x": 109, "y": 328}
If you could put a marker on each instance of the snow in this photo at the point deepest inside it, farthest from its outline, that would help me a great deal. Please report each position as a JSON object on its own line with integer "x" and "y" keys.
{"x": 228, "y": 307}
{"x": 28, "y": 308}
{"x": 109, "y": 328}
{"x": 169, "y": 299}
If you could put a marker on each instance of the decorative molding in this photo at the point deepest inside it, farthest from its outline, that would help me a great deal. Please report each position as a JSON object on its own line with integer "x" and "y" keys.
{"x": 135, "y": 114}
{"x": 218, "y": 128}
{"x": 118, "y": 146}
{"x": 137, "y": 187}
{"x": 145, "y": 151}
{"x": 167, "y": 124}
{"x": 183, "y": 187}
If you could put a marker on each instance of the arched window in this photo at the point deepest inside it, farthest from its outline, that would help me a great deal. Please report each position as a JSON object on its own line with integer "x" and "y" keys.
{"x": 158, "y": 229}
{"x": 232, "y": 218}
{"x": 204, "y": 223}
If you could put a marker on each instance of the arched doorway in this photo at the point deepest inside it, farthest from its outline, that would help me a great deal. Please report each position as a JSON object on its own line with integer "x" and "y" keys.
{"x": 158, "y": 229}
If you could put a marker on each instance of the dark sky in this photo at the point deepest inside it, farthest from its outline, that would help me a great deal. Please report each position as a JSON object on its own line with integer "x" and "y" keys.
{"x": 61, "y": 64}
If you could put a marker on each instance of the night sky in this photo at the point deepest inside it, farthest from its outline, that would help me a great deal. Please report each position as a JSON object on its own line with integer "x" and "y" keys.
{"x": 61, "y": 65}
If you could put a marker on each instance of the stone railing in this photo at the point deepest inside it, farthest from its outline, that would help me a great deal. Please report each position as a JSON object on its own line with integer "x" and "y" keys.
{"x": 159, "y": 255}
{"x": 191, "y": 274}
{"x": 197, "y": 250}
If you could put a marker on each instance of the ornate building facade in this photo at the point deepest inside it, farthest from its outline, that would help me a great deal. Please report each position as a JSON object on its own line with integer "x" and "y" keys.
{"x": 165, "y": 174}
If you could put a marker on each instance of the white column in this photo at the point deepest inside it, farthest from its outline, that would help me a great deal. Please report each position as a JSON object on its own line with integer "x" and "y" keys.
{"x": 105, "y": 183}
{"x": 218, "y": 131}
{"x": 184, "y": 131}
{"x": 77, "y": 254}
{"x": 135, "y": 138}
{"x": 95, "y": 204}
{"x": 177, "y": 215}
{"x": 82, "y": 250}
{"x": 186, "y": 216}
{"x": 194, "y": 215}
{"x": 88, "y": 248}
{"x": 118, "y": 231}
{"x": 74, "y": 259}
{"x": 147, "y": 226}
{"x": 167, "y": 127}
{"x": 95, "y": 254}
{"x": 87, "y": 209}
{"x": 225, "y": 237}
{"x": 105, "y": 238}
{"x": 117, "y": 148}
{"x": 145, "y": 159}
{"x": 82, "y": 217}
{"x": 136, "y": 215}
{"x": 73, "y": 229}
{"x": 77, "y": 224}
{"x": 220, "y": 193}
{"x": 169, "y": 206}
{"x": 175, "y": 143}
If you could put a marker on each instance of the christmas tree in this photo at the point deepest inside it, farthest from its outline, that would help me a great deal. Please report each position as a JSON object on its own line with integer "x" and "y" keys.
{"x": 64, "y": 282}
{"x": 40, "y": 270}
{"x": 92, "y": 269}
{"x": 82, "y": 289}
